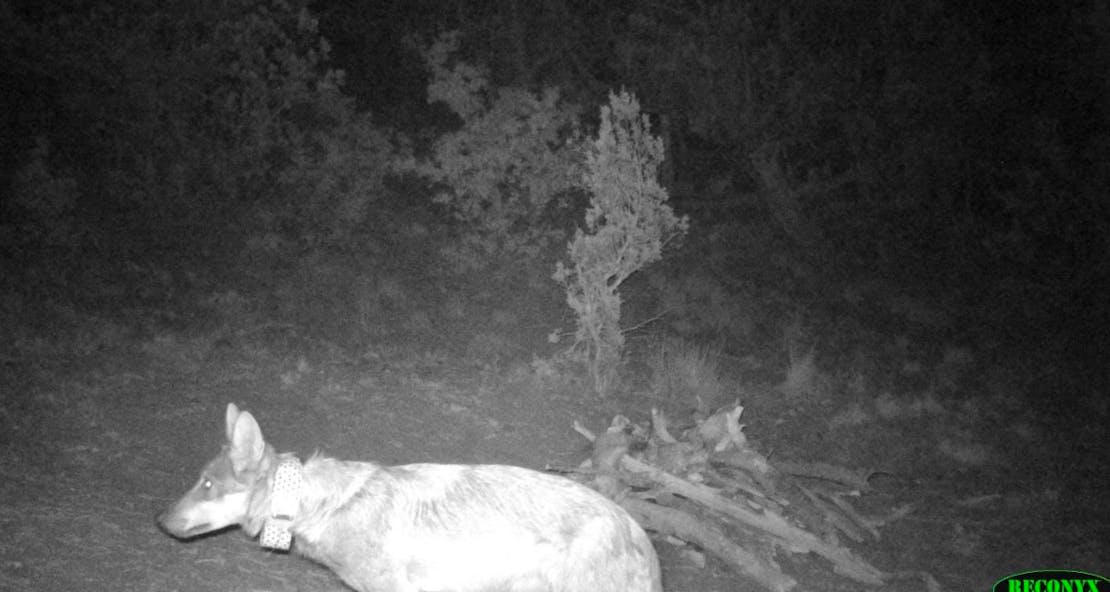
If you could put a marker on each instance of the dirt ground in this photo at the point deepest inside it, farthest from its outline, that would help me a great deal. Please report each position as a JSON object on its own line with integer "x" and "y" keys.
{"x": 93, "y": 447}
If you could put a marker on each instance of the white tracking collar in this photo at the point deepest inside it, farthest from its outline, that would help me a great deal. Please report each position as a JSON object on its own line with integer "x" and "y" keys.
{"x": 284, "y": 502}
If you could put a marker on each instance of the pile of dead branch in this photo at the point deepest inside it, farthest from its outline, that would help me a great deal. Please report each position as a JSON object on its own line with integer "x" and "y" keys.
{"x": 710, "y": 489}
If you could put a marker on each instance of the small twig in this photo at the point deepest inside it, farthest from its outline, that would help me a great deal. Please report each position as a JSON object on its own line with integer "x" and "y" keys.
{"x": 584, "y": 431}
{"x": 855, "y": 479}
{"x": 647, "y": 321}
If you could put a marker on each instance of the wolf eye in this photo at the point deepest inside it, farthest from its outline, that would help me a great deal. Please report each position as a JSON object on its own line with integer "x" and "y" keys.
{"x": 207, "y": 483}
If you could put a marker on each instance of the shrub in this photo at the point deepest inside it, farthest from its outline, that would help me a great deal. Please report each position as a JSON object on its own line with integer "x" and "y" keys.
{"x": 685, "y": 372}
{"x": 513, "y": 159}
{"x": 628, "y": 223}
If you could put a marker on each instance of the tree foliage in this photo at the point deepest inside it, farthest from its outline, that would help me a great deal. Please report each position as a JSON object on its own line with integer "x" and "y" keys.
{"x": 502, "y": 172}
{"x": 875, "y": 136}
{"x": 184, "y": 119}
{"x": 822, "y": 142}
{"x": 628, "y": 223}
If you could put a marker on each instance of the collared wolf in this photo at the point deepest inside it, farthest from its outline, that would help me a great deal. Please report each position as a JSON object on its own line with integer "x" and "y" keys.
{"x": 421, "y": 527}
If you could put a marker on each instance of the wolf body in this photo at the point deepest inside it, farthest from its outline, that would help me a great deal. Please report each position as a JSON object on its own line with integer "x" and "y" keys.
{"x": 423, "y": 527}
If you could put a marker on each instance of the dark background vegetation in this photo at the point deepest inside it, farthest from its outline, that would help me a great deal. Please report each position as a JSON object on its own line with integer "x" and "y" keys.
{"x": 949, "y": 151}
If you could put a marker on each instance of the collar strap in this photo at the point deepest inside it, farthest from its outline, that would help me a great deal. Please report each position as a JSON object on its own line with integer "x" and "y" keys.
{"x": 284, "y": 502}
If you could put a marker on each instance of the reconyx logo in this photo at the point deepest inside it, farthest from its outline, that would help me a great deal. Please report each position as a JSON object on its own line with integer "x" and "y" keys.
{"x": 1053, "y": 580}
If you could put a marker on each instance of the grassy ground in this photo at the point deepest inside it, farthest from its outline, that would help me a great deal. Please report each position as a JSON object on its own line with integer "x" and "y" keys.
{"x": 105, "y": 421}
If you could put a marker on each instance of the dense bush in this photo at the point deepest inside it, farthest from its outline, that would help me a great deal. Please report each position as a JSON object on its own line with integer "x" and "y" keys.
{"x": 197, "y": 121}
{"x": 506, "y": 170}
{"x": 627, "y": 225}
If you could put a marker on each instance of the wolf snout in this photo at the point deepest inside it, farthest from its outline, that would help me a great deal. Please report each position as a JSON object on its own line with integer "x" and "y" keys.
{"x": 168, "y": 525}
{"x": 177, "y": 526}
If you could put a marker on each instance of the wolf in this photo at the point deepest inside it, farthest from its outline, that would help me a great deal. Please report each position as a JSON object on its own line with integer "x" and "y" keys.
{"x": 419, "y": 527}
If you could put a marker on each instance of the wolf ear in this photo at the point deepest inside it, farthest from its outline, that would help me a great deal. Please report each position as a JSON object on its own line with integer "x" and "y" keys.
{"x": 232, "y": 415}
{"x": 246, "y": 446}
